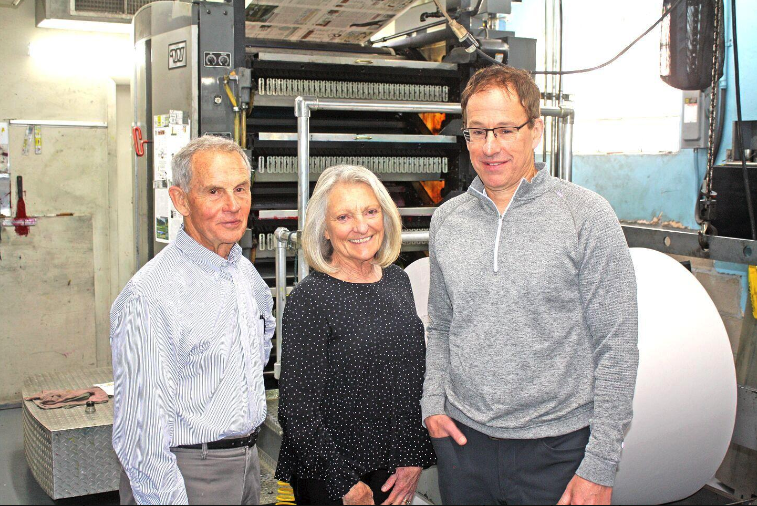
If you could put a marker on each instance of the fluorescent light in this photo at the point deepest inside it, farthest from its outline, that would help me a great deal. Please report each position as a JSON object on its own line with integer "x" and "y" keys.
{"x": 84, "y": 54}
{"x": 85, "y": 26}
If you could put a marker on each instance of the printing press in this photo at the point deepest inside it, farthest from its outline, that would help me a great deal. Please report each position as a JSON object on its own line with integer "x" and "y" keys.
{"x": 208, "y": 68}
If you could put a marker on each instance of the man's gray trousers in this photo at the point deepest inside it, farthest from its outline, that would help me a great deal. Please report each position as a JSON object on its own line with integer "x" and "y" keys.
{"x": 216, "y": 477}
{"x": 508, "y": 471}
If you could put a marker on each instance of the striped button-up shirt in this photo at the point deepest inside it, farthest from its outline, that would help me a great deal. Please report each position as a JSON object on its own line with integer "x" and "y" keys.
{"x": 190, "y": 335}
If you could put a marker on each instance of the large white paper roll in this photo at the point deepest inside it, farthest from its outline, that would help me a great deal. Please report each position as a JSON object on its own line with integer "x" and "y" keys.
{"x": 685, "y": 403}
{"x": 419, "y": 273}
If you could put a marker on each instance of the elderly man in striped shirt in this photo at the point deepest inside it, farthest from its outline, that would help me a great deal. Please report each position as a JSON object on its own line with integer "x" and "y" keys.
{"x": 190, "y": 335}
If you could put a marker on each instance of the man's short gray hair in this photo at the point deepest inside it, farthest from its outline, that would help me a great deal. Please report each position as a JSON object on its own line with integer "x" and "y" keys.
{"x": 182, "y": 161}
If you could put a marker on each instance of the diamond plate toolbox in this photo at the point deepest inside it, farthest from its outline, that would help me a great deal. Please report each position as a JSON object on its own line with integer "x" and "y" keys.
{"x": 69, "y": 451}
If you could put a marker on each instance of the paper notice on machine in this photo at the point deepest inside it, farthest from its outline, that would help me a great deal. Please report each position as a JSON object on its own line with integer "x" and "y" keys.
{"x": 169, "y": 136}
{"x": 345, "y": 21}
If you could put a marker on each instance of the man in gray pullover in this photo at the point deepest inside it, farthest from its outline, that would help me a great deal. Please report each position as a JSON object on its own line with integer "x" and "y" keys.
{"x": 532, "y": 349}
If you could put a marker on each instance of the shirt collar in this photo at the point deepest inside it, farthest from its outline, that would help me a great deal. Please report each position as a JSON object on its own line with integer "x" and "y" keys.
{"x": 538, "y": 185}
{"x": 202, "y": 255}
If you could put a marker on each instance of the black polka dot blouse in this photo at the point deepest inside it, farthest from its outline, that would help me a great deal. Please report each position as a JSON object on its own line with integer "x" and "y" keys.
{"x": 353, "y": 362}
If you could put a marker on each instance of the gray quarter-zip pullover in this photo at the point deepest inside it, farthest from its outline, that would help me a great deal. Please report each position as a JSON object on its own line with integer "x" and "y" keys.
{"x": 533, "y": 312}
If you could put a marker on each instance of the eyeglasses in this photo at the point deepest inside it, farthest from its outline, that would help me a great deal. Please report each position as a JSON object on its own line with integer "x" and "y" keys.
{"x": 504, "y": 134}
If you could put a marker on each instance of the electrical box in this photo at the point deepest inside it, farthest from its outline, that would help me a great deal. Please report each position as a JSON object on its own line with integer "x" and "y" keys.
{"x": 695, "y": 120}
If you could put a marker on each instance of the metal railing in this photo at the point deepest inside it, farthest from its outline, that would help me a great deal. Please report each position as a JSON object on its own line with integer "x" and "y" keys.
{"x": 304, "y": 105}
{"x": 286, "y": 239}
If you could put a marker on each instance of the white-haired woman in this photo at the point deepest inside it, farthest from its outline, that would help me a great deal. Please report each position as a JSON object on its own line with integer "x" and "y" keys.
{"x": 353, "y": 356}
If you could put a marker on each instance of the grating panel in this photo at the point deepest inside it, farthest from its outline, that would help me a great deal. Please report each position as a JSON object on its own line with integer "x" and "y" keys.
{"x": 349, "y": 89}
{"x": 377, "y": 164}
{"x": 99, "y": 6}
{"x": 119, "y": 8}
{"x": 132, "y": 6}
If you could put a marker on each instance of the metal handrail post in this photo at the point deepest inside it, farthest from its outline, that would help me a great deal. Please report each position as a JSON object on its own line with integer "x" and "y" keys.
{"x": 302, "y": 110}
{"x": 303, "y": 107}
{"x": 283, "y": 236}
{"x": 567, "y": 148}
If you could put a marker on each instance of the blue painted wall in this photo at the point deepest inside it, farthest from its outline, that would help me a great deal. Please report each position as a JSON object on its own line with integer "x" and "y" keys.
{"x": 642, "y": 186}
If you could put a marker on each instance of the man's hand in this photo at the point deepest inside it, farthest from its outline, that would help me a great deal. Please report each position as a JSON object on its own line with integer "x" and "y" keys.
{"x": 581, "y": 491}
{"x": 359, "y": 494}
{"x": 441, "y": 426}
{"x": 402, "y": 484}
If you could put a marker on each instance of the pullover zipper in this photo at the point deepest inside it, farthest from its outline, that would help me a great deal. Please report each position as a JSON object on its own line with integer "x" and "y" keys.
{"x": 496, "y": 243}
{"x": 501, "y": 221}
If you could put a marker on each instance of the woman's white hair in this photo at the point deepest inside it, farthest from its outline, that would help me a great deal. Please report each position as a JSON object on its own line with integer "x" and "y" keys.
{"x": 182, "y": 161}
{"x": 318, "y": 250}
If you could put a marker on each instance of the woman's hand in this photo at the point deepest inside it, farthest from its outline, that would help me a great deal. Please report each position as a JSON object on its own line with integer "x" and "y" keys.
{"x": 359, "y": 494}
{"x": 402, "y": 484}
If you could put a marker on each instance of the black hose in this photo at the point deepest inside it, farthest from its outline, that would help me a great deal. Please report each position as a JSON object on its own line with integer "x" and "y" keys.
{"x": 477, "y": 10}
{"x": 624, "y": 51}
{"x": 739, "y": 134}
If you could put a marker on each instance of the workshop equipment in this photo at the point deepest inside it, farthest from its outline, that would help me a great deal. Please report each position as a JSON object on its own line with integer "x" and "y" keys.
{"x": 227, "y": 73}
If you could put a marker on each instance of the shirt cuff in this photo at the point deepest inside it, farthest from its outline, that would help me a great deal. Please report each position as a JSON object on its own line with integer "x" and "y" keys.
{"x": 432, "y": 405}
{"x": 598, "y": 471}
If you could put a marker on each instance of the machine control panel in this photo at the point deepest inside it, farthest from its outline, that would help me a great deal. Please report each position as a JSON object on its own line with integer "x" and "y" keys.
{"x": 217, "y": 59}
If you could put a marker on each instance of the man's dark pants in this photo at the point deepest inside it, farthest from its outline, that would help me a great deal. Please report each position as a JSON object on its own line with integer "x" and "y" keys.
{"x": 508, "y": 471}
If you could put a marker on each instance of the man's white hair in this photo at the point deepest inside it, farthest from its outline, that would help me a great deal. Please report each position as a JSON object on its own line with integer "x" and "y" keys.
{"x": 182, "y": 161}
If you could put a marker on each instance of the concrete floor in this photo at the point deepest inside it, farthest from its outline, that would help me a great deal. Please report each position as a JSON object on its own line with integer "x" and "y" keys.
{"x": 18, "y": 486}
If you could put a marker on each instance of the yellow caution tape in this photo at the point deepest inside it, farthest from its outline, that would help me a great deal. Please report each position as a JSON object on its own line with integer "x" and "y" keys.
{"x": 285, "y": 495}
{"x": 753, "y": 288}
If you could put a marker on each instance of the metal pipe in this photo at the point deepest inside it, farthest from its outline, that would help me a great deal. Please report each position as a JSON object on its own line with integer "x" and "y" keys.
{"x": 303, "y": 171}
{"x": 556, "y": 112}
{"x": 554, "y": 161}
{"x": 302, "y": 108}
{"x": 305, "y": 104}
{"x": 283, "y": 237}
{"x": 337, "y": 104}
{"x": 415, "y": 237}
{"x": 566, "y": 152}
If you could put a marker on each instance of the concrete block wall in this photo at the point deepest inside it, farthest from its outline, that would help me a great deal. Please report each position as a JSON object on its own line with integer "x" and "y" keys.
{"x": 45, "y": 75}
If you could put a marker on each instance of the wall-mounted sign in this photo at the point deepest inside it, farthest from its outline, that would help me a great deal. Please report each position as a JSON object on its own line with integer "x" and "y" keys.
{"x": 177, "y": 55}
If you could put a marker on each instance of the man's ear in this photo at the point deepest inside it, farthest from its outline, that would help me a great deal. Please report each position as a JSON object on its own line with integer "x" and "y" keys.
{"x": 537, "y": 132}
{"x": 180, "y": 200}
